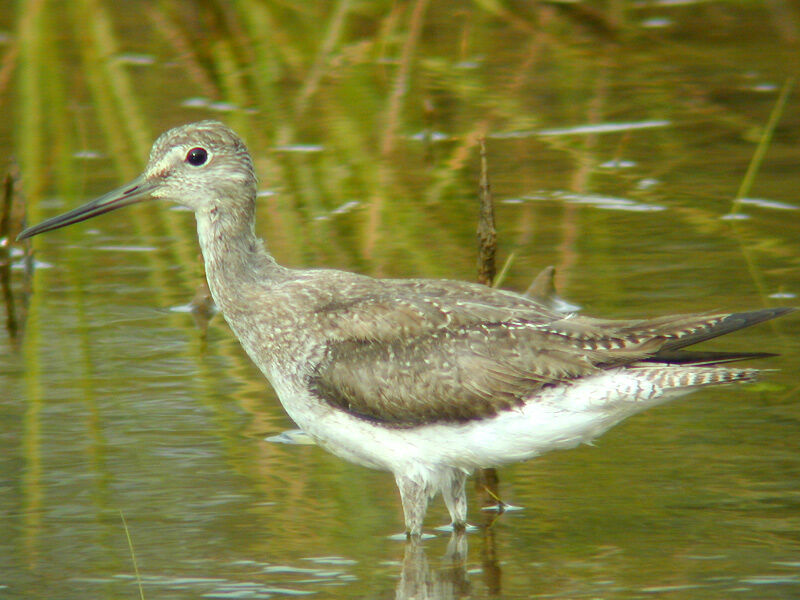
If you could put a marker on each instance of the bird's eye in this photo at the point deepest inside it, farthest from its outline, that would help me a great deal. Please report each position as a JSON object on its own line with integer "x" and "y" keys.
{"x": 197, "y": 157}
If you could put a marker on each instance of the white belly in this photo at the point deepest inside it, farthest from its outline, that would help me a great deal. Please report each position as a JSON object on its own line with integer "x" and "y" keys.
{"x": 556, "y": 418}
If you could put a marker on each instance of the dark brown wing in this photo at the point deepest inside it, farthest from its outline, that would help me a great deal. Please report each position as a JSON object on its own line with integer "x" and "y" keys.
{"x": 458, "y": 375}
{"x": 414, "y": 351}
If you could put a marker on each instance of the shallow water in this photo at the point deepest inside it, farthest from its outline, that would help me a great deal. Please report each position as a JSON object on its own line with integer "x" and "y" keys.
{"x": 613, "y": 156}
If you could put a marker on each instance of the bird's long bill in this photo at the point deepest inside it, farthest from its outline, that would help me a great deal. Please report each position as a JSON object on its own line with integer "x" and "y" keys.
{"x": 137, "y": 190}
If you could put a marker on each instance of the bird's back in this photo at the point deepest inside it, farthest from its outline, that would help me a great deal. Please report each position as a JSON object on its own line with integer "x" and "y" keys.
{"x": 404, "y": 353}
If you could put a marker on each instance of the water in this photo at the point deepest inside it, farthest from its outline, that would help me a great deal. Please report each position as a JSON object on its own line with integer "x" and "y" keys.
{"x": 615, "y": 162}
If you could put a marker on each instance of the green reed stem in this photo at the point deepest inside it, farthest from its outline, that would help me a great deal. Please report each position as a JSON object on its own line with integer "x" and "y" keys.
{"x": 133, "y": 556}
{"x": 763, "y": 144}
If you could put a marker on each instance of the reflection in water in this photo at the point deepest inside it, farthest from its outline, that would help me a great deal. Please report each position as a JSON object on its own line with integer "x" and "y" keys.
{"x": 419, "y": 580}
{"x": 491, "y": 564}
{"x": 448, "y": 577}
{"x": 12, "y": 219}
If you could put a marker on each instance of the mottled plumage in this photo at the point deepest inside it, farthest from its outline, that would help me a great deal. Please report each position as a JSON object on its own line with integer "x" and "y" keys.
{"x": 428, "y": 379}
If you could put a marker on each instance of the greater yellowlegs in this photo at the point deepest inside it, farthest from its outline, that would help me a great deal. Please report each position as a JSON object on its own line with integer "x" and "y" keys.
{"x": 427, "y": 379}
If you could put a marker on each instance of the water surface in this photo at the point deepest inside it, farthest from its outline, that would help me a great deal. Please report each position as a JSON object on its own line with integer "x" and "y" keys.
{"x": 617, "y": 143}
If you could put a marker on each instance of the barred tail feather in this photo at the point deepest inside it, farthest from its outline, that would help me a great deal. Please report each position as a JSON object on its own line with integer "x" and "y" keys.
{"x": 697, "y": 376}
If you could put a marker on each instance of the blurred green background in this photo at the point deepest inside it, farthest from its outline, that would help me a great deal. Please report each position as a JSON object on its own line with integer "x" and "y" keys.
{"x": 618, "y": 138}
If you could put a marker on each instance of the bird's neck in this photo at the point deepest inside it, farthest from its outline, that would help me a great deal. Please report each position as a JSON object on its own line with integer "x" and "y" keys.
{"x": 236, "y": 260}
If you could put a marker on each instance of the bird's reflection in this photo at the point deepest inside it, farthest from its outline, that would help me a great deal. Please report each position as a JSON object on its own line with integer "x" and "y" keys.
{"x": 447, "y": 578}
{"x": 419, "y": 580}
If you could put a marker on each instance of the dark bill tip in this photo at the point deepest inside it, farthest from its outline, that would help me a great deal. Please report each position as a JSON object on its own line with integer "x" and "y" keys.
{"x": 137, "y": 190}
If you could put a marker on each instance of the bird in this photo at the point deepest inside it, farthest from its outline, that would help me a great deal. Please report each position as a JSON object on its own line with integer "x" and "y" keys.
{"x": 427, "y": 379}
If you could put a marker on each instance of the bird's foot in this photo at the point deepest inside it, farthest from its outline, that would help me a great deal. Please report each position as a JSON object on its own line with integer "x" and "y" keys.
{"x": 410, "y": 537}
{"x": 458, "y": 528}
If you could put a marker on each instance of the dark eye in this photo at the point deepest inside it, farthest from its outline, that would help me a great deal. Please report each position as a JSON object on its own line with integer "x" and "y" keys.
{"x": 197, "y": 157}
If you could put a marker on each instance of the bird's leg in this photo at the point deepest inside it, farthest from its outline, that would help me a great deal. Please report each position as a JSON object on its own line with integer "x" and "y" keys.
{"x": 455, "y": 498}
{"x": 414, "y": 496}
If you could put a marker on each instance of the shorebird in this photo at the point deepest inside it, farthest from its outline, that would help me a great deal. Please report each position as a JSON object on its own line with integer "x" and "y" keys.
{"x": 427, "y": 379}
